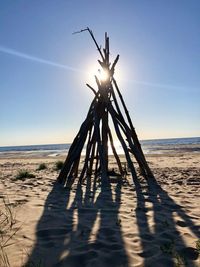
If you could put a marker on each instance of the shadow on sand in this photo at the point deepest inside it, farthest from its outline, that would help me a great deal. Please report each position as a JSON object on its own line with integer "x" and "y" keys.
{"x": 81, "y": 227}
{"x": 167, "y": 246}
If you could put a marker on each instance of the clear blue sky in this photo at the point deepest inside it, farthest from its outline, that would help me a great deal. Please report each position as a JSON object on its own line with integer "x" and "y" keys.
{"x": 43, "y": 67}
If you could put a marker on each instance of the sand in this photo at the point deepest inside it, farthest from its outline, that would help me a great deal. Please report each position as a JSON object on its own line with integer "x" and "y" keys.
{"x": 153, "y": 223}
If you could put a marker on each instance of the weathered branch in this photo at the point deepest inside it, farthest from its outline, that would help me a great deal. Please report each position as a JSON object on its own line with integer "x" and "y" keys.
{"x": 95, "y": 132}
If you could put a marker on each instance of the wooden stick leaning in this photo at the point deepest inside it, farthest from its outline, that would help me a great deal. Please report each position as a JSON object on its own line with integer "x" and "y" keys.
{"x": 96, "y": 133}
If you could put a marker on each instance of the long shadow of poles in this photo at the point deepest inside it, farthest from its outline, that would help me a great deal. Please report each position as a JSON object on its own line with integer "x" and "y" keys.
{"x": 80, "y": 227}
{"x": 163, "y": 240}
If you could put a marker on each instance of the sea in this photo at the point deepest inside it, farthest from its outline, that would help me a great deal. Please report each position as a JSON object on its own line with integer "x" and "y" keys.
{"x": 153, "y": 146}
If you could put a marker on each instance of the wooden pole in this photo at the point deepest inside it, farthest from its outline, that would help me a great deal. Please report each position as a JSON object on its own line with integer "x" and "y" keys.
{"x": 115, "y": 153}
{"x": 134, "y": 135}
{"x": 95, "y": 131}
{"x": 130, "y": 163}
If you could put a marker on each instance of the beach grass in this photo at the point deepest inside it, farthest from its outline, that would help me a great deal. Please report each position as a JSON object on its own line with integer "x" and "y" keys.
{"x": 24, "y": 174}
{"x": 41, "y": 167}
{"x": 58, "y": 165}
{"x": 198, "y": 246}
{"x": 7, "y": 231}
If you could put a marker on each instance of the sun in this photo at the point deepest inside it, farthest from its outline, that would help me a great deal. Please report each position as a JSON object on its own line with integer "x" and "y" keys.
{"x": 103, "y": 75}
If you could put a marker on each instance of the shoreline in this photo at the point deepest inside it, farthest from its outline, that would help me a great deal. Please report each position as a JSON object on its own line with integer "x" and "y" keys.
{"x": 149, "y": 147}
{"x": 57, "y": 155}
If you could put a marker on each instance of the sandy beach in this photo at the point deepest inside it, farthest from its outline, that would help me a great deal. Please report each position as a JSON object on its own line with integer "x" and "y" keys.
{"x": 152, "y": 223}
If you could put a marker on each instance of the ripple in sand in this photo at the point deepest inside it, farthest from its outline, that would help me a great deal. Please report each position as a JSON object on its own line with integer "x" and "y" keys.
{"x": 46, "y": 233}
{"x": 147, "y": 237}
{"x": 149, "y": 252}
{"x": 189, "y": 253}
{"x": 181, "y": 223}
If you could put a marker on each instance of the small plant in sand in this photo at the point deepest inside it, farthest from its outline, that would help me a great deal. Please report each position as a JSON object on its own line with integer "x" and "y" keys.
{"x": 198, "y": 246}
{"x": 23, "y": 174}
{"x": 58, "y": 165}
{"x": 179, "y": 260}
{"x": 41, "y": 167}
{"x": 169, "y": 248}
{"x": 7, "y": 230}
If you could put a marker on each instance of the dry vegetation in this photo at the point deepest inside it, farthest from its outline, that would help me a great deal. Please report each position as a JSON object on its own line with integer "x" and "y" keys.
{"x": 7, "y": 230}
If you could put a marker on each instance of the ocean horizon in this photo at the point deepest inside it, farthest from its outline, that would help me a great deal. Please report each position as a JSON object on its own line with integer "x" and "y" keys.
{"x": 157, "y": 146}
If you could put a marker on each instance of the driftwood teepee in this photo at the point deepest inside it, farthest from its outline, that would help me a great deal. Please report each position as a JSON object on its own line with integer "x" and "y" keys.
{"x": 95, "y": 133}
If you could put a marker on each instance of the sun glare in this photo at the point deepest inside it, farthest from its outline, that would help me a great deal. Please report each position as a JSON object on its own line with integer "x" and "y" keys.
{"x": 103, "y": 75}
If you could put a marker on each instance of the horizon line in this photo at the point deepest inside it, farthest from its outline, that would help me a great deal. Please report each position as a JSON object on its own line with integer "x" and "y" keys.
{"x": 148, "y": 139}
